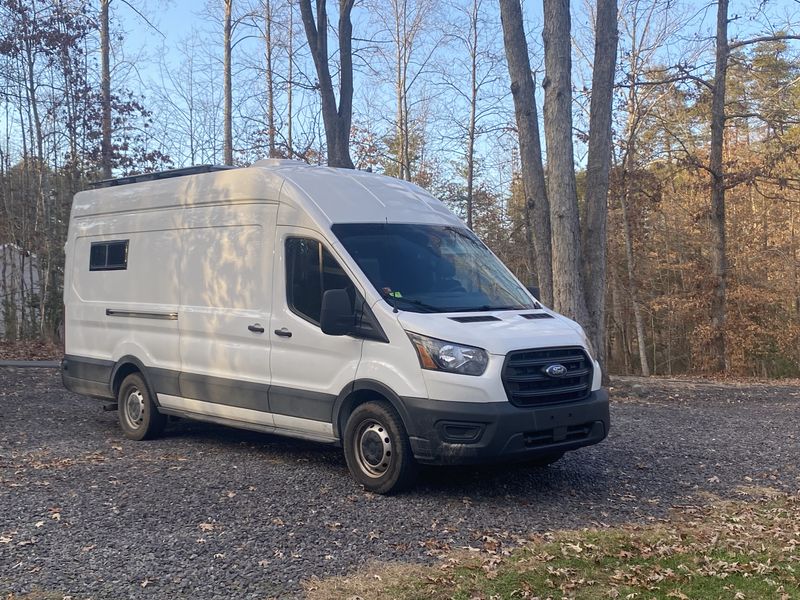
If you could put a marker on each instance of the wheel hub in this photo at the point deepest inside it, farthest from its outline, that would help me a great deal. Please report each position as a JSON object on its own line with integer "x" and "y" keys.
{"x": 134, "y": 408}
{"x": 374, "y": 449}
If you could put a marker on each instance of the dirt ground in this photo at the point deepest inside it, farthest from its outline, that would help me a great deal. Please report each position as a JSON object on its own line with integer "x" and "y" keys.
{"x": 211, "y": 512}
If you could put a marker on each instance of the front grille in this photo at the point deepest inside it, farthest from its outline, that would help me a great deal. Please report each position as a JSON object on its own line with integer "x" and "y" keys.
{"x": 573, "y": 433}
{"x": 527, "y": 383}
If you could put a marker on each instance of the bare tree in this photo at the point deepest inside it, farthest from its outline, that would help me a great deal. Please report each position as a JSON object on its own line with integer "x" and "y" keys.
{"x": 598, "y": 165}
{"x": 228, "y": 94}
{"x": 269, "y": 63}
{"x": 105, "y": 91}
{"x": 470, "y": 112}
{"x": 472, "y": 127}
{"x": 537, "y": 207}
{"x": 290, "y": 82}
{"x": 568, "y": 291}
{"x": 648, "y": 25}
{"x": 719, "y": 259}
{"x": 188, "y": 104}
{"x": 337, "y": 120}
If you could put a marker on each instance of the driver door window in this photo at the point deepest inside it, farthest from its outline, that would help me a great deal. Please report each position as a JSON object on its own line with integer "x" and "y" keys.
{"x": 310, "y": 271}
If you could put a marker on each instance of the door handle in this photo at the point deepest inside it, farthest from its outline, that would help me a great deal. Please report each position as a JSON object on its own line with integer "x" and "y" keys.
{"x": 257, "y": 328}
{"x": 283, "y": 332}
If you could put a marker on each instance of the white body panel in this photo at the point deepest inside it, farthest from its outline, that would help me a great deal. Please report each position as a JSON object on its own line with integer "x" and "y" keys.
{"x": 226, "y": 274}
{"x": 309, "y": 360}
{"x": 206, "y": 260}
{"x": 154, "y": 239}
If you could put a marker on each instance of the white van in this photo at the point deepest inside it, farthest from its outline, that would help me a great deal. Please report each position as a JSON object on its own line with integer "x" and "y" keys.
{"x": 327, "y": 304}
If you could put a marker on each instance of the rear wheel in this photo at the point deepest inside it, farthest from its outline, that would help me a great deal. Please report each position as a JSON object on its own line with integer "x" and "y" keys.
{"x": 377, "y": 449}
{"x": 138, "y": 416}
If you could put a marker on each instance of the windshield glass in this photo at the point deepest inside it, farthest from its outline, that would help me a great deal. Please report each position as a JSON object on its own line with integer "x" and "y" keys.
{"x": 431, "y": 268}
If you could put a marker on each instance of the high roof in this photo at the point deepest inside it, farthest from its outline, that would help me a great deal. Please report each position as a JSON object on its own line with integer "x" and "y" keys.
{"x": 348, "y": 195}
{"x": 329, "y": 195}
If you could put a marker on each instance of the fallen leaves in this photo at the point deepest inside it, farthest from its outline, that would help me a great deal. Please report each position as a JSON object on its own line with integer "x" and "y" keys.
{"x": 729, "y": 549}
{"x": 30, "y": 350}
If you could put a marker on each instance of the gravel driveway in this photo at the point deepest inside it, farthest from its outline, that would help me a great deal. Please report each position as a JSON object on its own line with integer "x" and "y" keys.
{"x": 210, "y": 512}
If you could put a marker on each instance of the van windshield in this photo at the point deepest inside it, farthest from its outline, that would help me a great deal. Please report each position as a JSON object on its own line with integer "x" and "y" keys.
{"x": 431, "y": 268}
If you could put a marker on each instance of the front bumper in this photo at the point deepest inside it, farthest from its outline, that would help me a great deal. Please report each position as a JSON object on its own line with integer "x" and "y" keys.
{"x": 443, "y": 432}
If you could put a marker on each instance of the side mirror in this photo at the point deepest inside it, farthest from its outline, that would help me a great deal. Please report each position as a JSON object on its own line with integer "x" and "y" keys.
{"x": 533, "y": 290}
{"x": 337, "y": 316}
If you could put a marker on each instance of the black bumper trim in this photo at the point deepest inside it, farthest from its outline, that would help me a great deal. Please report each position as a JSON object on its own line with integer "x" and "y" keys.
{"x": 509, "y": 432}
{"x": 88, "y": 376}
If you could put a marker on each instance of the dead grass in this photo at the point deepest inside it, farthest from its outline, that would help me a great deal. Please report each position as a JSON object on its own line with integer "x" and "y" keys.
{"x": 733, "y": 549}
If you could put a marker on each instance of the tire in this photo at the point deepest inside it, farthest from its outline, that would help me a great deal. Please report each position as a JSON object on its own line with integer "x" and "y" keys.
{"x": 545, "y": 460}
{"x": 377, "y": 449}
{"x": 138, "y": 416}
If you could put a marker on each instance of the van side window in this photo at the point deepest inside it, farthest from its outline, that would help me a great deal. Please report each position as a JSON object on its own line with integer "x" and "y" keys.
{"x": 109, "y": 256}
{"x": 310, "y": 271}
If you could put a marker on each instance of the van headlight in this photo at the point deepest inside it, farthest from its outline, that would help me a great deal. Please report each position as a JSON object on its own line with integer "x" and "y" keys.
{"x": 438, "y": 355}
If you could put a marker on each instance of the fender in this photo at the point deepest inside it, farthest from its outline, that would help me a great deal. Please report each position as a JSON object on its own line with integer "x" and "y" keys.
{"x": 368, "y": 385}
{"x": 157, "y": 380}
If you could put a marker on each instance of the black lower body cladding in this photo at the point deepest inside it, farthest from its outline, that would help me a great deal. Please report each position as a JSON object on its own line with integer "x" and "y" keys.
{"x": 88, "y": 376}
{"x": 440, "y": 432}
{"x": 444, "y": 432}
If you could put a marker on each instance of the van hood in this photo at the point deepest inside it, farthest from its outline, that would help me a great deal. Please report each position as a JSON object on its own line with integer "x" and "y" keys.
{"x": 497, "y": 332}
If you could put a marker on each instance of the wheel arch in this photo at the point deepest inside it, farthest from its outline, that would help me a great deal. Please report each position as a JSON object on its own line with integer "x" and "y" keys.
{"x": 128, "y": 365}
{"x": 364, "y": 390}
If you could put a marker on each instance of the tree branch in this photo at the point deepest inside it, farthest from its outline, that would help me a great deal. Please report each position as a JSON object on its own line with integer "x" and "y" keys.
{"x": 766, "y": 38}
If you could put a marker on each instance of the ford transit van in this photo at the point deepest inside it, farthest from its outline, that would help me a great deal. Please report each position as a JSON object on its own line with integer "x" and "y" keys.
{"x": 332, "y": 305}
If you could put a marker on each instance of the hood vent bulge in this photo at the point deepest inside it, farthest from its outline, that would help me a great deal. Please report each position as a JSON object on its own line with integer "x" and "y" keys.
{"x": 475, "y": 319}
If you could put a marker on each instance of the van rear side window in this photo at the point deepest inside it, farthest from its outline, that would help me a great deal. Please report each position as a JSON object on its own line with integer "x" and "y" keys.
{"x": 109, "y": 256}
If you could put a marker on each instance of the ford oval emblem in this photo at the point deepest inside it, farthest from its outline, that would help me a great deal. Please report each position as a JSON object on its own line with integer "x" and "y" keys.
{"x": 556, "y": 370}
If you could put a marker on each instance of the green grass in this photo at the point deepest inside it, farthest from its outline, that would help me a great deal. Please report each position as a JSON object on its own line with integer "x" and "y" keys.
{"x": 736, "y": 550}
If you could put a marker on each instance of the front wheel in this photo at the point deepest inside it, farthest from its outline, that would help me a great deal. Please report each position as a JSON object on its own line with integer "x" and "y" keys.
{"x": 138, "y": 416}
{"x": 377, "y": 449}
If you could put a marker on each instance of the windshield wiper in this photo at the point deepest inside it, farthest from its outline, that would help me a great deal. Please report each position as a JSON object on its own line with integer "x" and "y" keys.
{"x": 394, "y": 299}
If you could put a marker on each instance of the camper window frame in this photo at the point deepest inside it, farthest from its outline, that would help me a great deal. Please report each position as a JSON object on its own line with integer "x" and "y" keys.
{"x": 106, "y": 244}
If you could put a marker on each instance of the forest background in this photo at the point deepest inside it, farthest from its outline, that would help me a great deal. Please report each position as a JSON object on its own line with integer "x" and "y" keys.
{"x": 234, "y": 81}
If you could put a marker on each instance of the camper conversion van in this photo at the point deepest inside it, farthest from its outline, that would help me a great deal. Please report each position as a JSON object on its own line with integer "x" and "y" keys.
{"x": 327, "y": 304}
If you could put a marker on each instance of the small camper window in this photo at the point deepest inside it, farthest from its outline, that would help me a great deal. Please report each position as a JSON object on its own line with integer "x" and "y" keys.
{"x": 109, "y": 256}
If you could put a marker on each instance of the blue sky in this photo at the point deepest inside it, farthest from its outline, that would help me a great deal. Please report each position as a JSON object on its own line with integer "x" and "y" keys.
{"x": 175, "y": 19}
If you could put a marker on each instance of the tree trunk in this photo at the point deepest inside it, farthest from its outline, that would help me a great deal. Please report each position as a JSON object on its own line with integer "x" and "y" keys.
{"x": 290, "y": 83}
{"x": 399, "y": 88}
{"x": 719, "y": 262}
{"x": 568, "y": 292}
{"x": 105, "y": 91}
{"x": 228, "y": 100}
{"x": 530, "y": 148}
{"x": 270, "y": 84}
{"x": 633, "y": 288}
{"x": 598, "y": 164}
{"x": 336, "y": 120}
{"x": 473, "y": 107}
